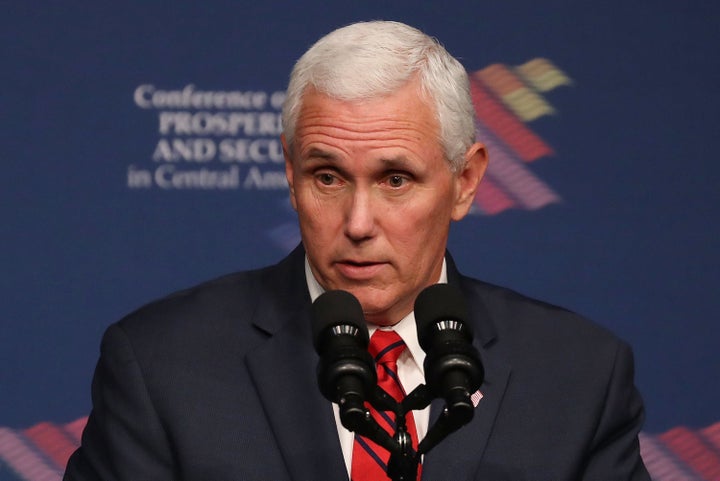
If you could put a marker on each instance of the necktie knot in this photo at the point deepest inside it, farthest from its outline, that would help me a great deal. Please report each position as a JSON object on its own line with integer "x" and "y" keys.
{"x": 386, "y": 347}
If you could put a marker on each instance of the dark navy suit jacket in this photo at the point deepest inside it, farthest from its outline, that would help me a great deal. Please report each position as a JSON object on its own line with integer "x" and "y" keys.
{"x": 218, "y": 382}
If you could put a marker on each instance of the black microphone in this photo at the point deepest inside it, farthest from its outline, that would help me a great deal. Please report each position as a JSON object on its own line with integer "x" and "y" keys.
{"x": 346, "y": 371}
{"x": 453, "y": 370}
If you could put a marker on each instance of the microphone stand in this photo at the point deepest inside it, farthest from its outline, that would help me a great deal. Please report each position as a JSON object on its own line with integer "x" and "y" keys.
{"x": 404, "y": 460}
{"x": 454, "y": 415}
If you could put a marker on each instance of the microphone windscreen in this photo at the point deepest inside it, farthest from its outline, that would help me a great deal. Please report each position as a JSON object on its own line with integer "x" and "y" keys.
{"x": 439, "y": 302}
{"x": 334, "y": 308}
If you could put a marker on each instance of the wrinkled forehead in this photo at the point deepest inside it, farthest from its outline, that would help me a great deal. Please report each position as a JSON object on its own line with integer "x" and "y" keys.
{"x": 409, "y": 103}
{"x": 387, "y": 129}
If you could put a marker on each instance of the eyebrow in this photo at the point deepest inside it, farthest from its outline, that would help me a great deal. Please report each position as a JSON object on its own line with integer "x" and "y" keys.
{"x": 316, "y": 157}
{"x": 391, "y": 162}
{"x": 316, "y": 153}
{"x": 400, "y": 162}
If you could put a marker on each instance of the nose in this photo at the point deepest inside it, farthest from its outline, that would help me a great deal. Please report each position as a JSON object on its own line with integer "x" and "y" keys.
{"x": 360, "y": 216}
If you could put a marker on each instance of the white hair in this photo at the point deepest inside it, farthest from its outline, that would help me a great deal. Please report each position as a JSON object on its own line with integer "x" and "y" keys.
{"x": 371, "y": 59}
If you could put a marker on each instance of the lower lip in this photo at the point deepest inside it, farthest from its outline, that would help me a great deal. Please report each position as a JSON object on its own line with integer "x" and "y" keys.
{"x": 358, "y": 272}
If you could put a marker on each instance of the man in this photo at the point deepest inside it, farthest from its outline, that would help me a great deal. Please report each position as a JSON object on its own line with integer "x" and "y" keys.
{"x": 218, "y": 382}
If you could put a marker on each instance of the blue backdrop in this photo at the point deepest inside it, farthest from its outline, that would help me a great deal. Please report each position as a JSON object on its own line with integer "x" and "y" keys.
{"x": 111, "y": 114}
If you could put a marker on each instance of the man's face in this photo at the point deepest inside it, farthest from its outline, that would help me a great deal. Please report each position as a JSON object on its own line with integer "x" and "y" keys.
{"x": 375, "y": 197}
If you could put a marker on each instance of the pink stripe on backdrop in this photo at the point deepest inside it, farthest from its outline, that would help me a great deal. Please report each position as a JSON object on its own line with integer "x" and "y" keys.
{"x": 52, "y": 441}
{"x": 512, "y": 176}
{"x": 679, "y": 454}
{"x": 491, "y": 199}
{"x": 75, "y": 428}
{"x": 712, "y": 435}
{"x": 23, "y": 460}
{"x": 689, "y": 447}
{"x": 661, "y": 464}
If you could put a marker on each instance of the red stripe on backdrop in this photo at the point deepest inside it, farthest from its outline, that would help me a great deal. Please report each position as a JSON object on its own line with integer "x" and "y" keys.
{"x": 75, "y": 428}
{"x": 712, "y": 435}
{"x": 491, "y": 199}
{"x": 52, "y": 441}
{"x": 22, "y": 459}
{"x": 500, "y": 79}
{"x": 691, "y": 448}
{"x": 661, "y": 463}
{"x": 506, "y": 125}
{"x": 680, "y": 454}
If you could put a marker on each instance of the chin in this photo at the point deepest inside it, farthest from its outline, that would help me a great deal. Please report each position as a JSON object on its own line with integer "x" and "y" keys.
{"x": 378, "y": 309}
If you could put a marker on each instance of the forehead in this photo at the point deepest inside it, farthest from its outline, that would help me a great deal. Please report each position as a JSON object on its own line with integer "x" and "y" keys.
{"x": 405, "y": 112}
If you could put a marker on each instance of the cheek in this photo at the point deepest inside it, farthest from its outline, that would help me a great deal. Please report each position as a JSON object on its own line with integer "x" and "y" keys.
{"x": 422, "y": 217}
{"x": 318, "y": 219}
{"x": 425, "y": 232}
{"x": 417, "y": 230}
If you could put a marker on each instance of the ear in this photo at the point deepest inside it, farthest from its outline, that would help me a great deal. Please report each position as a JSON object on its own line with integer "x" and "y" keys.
{"x": 289, "y": 172}
{"x": 468, "y": 179}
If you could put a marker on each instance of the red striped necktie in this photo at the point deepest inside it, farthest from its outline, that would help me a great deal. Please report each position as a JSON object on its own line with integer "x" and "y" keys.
{"x": 369, "y": 461}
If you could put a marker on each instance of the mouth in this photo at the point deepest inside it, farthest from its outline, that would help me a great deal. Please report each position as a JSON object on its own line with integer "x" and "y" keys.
{"x": 358, "y": 269}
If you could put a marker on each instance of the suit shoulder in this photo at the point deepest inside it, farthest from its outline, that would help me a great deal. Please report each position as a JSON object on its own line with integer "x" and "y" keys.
{"x": 223, "y": 295}
{"x": 216, "y": 311}
{"x": 531, "y": 321}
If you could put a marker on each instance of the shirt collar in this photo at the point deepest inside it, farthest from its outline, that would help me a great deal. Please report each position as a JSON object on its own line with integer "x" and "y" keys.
{"x": 405, "y": 328}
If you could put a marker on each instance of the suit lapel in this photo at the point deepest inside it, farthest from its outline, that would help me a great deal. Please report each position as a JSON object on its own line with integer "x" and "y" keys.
{"x": 283, "y": 370}
{"x": 459, "y": 455}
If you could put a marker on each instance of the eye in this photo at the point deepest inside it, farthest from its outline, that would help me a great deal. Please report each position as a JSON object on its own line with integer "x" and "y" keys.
{"x": 326, "y": 178}
{"x": 396, "y": 181}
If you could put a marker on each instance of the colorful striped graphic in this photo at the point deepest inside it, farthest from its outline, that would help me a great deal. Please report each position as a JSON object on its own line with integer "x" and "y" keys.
{"x": 40, "y": 452}
{"x": 505, "y": 99}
